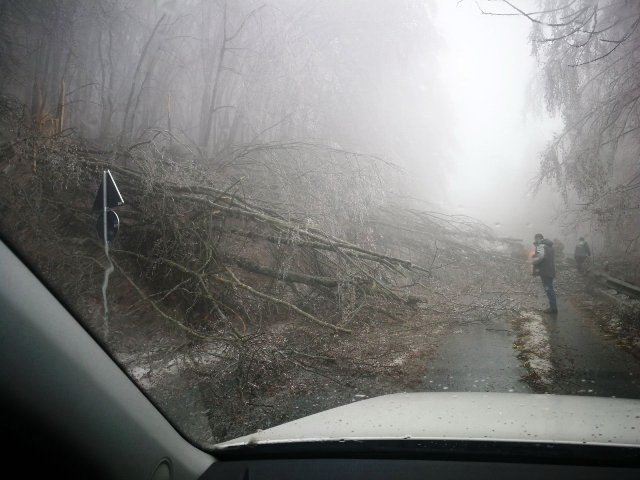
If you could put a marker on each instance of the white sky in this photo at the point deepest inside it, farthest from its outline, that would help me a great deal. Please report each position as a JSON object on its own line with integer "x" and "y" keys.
{"x": 500, "y": 127}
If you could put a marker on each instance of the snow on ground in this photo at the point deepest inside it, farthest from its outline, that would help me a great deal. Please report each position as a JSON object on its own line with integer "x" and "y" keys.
{"x": 152, "y": 370}
{"x": 533, "y": 342}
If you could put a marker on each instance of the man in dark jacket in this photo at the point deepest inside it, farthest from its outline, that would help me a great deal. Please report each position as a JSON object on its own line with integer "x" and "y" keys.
{"x": 544, "y": 265}
{"x": 581, "y": 253}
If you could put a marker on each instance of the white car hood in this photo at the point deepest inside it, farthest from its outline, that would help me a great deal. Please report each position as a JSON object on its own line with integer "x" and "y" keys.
{"x": 466, "y": 416}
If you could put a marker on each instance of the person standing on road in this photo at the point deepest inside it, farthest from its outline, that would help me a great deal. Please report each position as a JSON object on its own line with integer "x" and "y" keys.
{"x": 581, "y": 253}
{"x": 544, "y": 266}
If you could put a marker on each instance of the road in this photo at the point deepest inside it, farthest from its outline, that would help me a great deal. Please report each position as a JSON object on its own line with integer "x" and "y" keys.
{"x": 480, "y": 356}
{"x": 586, "y": 360}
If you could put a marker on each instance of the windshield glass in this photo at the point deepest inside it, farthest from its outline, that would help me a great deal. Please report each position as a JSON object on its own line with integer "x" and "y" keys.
{"x": 264, "y": 210}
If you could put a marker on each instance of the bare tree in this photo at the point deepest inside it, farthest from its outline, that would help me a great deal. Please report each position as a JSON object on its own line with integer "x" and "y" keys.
{"x": 588, "y": 52}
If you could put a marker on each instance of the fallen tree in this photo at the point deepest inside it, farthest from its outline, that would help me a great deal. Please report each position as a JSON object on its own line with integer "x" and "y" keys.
{"x": 248, "y": 294}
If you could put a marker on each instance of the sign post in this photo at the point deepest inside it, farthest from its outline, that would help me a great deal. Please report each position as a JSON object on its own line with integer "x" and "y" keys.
{"x": 107, "y": 197}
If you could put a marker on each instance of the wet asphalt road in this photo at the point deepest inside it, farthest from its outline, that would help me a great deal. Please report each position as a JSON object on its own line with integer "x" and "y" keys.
{"x": 586, "y": 360}
{"x": 479, "y": 357}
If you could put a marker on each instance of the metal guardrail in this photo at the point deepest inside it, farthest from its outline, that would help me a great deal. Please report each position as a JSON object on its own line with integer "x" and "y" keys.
{"x": 616, "y": 284}
{"x": 624, "y": 287}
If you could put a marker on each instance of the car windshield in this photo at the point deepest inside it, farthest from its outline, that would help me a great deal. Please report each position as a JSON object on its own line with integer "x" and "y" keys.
{"x": 267, "y": 209}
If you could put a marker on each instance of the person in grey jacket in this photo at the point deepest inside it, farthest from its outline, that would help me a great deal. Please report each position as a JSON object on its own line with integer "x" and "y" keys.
{"x": 581, "y": 253}
{"x": 544, "y": 266}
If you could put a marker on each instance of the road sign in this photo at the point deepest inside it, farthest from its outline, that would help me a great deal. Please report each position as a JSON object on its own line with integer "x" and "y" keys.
{"x": 113, "y": 224}
{"x": 114, "y": 199}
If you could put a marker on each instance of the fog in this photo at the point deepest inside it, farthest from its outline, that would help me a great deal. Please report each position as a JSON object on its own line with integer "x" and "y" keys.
{"x": 450, "y": 99}
{"x": 499, "y": 123}
{"x": 322, "y": 196}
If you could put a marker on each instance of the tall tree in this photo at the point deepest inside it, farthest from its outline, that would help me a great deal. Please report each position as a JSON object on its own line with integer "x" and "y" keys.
{"x": 589, "y": 52}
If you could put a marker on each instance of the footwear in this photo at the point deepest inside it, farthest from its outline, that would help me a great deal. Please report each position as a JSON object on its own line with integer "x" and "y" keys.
{"x": 550, "y": 310}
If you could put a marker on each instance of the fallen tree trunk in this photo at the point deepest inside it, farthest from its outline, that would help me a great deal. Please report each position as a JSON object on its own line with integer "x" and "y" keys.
{"x": 196, "y": 232}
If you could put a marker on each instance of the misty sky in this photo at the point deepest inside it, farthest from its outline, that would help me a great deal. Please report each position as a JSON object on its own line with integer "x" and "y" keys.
{"x": 454, "y": 108}
{"x": 500, "y": 124}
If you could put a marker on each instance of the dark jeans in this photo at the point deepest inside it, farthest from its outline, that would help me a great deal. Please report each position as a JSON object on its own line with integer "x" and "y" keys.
{"x": 547, "y": 283}
{"x": 580, "y": 261}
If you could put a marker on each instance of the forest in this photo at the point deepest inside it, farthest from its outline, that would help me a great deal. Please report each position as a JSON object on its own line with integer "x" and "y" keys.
{"x": 282, "y": 233}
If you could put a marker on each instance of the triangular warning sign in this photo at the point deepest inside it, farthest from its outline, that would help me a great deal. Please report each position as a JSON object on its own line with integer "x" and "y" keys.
{"x": 114, "y": 199}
